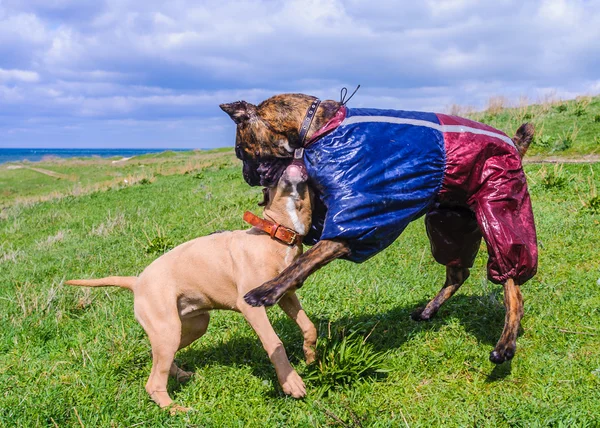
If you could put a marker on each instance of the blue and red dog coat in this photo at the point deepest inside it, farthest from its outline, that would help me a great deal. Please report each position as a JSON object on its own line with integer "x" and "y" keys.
{"x": 375, "y": 171}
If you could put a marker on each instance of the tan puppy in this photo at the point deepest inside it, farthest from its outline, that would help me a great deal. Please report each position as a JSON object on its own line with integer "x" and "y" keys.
{"x": 173, "y": 296}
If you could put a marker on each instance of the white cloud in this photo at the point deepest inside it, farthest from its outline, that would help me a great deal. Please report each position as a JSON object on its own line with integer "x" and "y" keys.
{"x": 152, "y": 61}
{"x": 18, "y": 75}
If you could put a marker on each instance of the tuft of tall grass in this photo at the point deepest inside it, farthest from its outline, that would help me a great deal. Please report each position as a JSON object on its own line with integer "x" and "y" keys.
{"x": 159, "y": 243}
{"x": 560, "y": 108}
{"x": 566, "y": 140}
{"x": 555, "y": 179}
{"x": 580, "y": 106}
{"x": 591, "y": 204}
{"x": 497, "y": 105}
{"x": 344, "y": 359}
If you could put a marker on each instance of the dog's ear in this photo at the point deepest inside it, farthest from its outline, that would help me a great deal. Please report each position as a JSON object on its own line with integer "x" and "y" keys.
{"x": 239, "y": 111}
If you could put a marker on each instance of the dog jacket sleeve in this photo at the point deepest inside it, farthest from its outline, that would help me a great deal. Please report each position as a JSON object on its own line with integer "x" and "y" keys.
{"x": 375, "y": 173}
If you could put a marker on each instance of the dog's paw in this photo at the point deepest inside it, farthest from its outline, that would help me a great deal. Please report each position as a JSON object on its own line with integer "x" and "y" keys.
{"x": 294, "y": 385}
{"x": 502, "y": 354}
{"x": 420, "y": 314}
{"x": 265, "y": 295}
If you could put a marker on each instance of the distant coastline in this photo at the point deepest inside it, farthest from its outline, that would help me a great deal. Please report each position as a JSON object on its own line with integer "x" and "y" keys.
{"x": 36, "y": 155}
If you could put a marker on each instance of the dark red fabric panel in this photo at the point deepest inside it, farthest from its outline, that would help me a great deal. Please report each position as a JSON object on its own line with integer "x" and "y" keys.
{"x": 485, "y": 174}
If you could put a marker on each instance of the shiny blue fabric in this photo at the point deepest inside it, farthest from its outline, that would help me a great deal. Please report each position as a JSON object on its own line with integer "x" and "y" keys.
{"x": 374, "y": 177}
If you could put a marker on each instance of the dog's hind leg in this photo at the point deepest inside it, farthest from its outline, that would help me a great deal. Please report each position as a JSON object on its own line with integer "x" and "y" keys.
{"x": 290, "y": 381}
{"x": 191, "y": 330}
{"x": 455, "y": 237}
{"x": 292, "y": 307}
{"x": 455, "y": 277}
{"x": 505, "y": 216}
{"x": 507, "y": 345}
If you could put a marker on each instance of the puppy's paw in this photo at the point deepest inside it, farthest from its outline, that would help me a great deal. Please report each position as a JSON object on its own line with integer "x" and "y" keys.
{"x": 294, "y": 385}
{"x": 174, "y": 409}
{"x": 183, "y": 376}
{"x": 265, "y": 295}
{"x": 502, "y": 353}
{"x": 309, "y": 354}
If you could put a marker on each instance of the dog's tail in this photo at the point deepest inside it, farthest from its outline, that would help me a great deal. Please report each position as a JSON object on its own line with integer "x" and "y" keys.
{"x": 109, "y": 281}
{"x": 523, "y": 137}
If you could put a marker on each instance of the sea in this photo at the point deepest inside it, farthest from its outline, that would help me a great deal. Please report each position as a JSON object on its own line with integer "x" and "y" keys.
{"x": 33, "y": 155}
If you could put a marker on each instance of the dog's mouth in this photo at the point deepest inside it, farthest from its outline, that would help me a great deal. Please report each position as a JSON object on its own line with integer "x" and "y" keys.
{"x": 265, "y": 173}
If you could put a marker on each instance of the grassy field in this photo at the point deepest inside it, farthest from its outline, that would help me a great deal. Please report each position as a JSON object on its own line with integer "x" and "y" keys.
{"x": 565, "y": 128}
{"x": 23, "y": 182}
{"x": 69, "y": 354}
{"x": 76, "y": 357}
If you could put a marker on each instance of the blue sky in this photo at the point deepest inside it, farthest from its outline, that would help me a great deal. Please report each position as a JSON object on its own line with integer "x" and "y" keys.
{"x": 125, "y": 73}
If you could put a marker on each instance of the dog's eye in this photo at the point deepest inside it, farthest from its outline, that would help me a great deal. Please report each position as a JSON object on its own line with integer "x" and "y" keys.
{"x": 257, "y": 153}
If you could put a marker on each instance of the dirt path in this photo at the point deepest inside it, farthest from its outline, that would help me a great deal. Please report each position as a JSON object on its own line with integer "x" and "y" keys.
{"x": 558, "y": 159}
{"x": 56, "y": 175}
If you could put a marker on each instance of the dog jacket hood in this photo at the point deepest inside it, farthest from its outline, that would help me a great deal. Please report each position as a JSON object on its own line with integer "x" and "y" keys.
{"x": 375, "y": 173}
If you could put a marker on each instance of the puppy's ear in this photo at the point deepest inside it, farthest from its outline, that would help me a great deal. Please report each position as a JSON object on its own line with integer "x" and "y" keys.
{"x": 239, "y": 111}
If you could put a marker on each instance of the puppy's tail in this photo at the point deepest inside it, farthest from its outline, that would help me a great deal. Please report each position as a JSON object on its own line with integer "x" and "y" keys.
{"x": 109, "y": 281}
{"x": 523, "y": 137}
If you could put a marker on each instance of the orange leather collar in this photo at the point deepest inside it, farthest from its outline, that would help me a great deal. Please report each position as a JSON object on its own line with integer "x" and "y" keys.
{"x": 275, "y": 230}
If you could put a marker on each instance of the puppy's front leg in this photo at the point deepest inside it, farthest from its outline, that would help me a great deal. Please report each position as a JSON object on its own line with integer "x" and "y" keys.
{"x": 290, "y": 381}
{"x": 295, "y": 274}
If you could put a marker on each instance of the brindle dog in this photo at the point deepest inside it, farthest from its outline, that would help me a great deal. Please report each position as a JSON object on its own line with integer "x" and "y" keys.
{"x": 266, "y": 138}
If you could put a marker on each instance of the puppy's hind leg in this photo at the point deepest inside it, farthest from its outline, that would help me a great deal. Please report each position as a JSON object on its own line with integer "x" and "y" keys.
{"x": 289, "y": 380}
{"x": 293, "y": 309}
{"x": 163, "y": 327}
{"x": 191, "y": 330}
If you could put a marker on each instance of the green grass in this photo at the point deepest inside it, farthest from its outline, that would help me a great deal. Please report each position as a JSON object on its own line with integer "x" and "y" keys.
{"x": 68, "y": 352}
{"x": 562, "y": 127}
{"x": 82, "y": 175}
